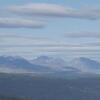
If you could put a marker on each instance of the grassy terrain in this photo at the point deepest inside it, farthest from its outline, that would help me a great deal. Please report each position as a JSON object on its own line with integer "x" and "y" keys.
{"x": 39, "y": 88}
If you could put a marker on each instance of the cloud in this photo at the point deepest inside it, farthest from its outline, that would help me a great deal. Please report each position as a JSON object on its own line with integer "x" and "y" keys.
{"x": 55, "y": 10}
{"x": 93, "y": 44}
{"x": 20, "y": 23}
{"x": 25, "y": 44}
{"x": 83, "y": 34}
{"x": 33, "y": 15}
{"x": 42, "y": 9}
{"x": 29, "y": 46}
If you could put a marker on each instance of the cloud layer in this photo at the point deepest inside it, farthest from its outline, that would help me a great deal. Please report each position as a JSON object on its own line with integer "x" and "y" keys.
{"x": 38, "y": 44}
{"x": 54, "y": 10}
{"x": 29, "y": 46}
{"x": 20, "y": 23}
{"x": 10, "y": 15}
{"x": 83, "y": 34}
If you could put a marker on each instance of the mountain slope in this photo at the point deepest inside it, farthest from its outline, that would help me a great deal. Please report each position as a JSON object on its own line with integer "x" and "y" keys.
{"x": 9, "y": 64}
{"x": 50, "y": 62}
{"x": 85, "y": 64}
{"x": 18, "y": 64}
{"x": 47, "y": 64}
{"x": 40, "y": 88}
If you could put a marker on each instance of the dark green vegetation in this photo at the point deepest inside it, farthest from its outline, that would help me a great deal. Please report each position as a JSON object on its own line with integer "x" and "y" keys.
{"x": 39, "y": 88}
{"x": 3, "y": 97}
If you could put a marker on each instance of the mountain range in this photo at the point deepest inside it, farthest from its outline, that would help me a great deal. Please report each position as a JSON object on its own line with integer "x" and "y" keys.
{"x": 45, "y": 64}
{"x": 86, "y": 65}
{"x": 19, "y": 65}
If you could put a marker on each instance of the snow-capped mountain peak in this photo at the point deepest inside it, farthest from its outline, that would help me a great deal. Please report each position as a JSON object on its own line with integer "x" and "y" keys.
{"x": 49, "y": 62}
{"x": 85, "y": 64}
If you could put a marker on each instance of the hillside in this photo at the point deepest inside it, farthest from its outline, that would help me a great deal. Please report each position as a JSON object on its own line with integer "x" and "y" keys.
{"x": 40, "y": 88}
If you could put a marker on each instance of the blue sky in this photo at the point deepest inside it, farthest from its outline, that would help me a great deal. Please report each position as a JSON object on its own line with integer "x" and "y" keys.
{"x": 61, "y": 28}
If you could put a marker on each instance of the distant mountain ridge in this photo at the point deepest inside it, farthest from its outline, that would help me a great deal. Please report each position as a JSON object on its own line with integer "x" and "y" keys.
{"x": 50, "y": 62}
{"x": 18, "y": 64}
{"x": 85, "y": 64}
{"x": 45, "y": 64}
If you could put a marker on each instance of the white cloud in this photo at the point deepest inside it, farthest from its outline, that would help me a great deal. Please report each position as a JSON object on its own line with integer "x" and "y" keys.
{"x": 39, "y": 11}
{"x": 20, "y": 23}
{"x": 27, "y": 46}
{"x": 42, "y": 9}
{"x": 54, "y": 10}
{"x": 83, "y": 34}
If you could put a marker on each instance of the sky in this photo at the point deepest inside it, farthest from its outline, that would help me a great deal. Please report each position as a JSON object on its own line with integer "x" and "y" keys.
{"x": 59, "y": 28}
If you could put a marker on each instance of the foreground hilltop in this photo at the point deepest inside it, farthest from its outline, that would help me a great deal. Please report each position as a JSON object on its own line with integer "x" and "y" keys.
{"x": 43, "y": 88}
